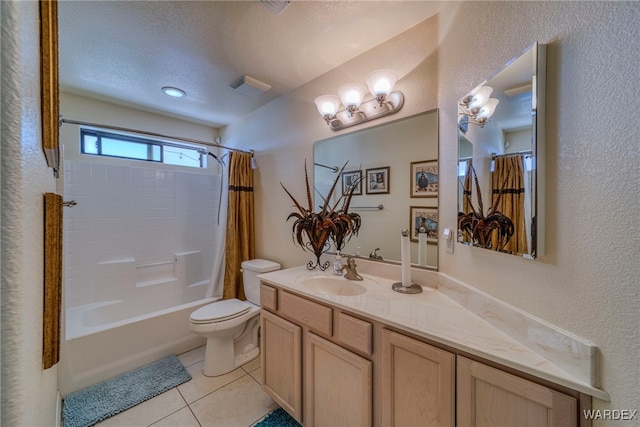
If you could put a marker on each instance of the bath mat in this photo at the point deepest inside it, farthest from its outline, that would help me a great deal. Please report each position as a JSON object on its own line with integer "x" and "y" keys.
{"x": 90, "y": 405}
{"x": 277, "y": 418}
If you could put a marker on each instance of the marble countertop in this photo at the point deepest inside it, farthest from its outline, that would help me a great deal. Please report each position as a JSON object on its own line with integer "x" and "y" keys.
{"x": 433, "y": 315}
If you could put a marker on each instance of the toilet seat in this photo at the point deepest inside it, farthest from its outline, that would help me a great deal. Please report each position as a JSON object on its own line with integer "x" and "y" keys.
{"x": 220, "y": 311}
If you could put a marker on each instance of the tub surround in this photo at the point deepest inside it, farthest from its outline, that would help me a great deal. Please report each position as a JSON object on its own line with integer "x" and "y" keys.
{"x": 458, "y": 316}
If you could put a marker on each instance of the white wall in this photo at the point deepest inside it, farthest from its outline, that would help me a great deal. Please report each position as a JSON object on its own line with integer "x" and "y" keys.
{"x": 587, "y": 282}
{"x": 283, "y": 132}
{"x": 130, "y": 209}
{"x": 28, "y": 392}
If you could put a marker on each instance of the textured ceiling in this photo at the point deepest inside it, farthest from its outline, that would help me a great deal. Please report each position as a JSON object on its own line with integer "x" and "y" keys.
{"x": 125, "y": 51}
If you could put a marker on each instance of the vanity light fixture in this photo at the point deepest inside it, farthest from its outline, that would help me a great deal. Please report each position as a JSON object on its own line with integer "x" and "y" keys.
{"x": 357, "y": 110}
{"x": 477, "y": 107}
{"x": 174, "y": 92}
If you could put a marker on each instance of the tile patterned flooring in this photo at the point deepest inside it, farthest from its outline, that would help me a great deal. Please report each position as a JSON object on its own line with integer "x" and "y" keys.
{"x": 231, "y": 400}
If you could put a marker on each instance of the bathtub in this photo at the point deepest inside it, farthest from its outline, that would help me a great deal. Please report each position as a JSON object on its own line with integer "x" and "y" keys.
{"x": 105, "y": 339}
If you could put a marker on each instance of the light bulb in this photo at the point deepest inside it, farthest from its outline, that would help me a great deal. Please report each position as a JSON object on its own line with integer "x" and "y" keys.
{"x": 480, "y": 97}
{"x": 327, "y": 105}
{"x": 381, "y": 82}
{"x": 488, "y": 108}
{"x": 352, "y": 94}
{"x": 174, "y": 91}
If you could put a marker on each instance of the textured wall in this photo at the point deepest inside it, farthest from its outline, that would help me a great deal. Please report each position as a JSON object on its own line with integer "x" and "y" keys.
{"x": 587, "y": 283}
{"x": 283, "y": 132}
{"x": 28, "y": 392}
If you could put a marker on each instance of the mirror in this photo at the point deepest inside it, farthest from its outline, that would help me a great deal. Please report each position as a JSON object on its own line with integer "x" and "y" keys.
{"x": 500, "y": 159}
{"x": 398, "y": 161}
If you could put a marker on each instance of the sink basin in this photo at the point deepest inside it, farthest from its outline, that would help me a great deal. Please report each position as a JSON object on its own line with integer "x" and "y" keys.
{"x": 333, "y": 286}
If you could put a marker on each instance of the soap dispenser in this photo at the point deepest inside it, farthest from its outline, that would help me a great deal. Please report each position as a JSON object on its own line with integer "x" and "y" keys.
{"x": 337, "y": 264}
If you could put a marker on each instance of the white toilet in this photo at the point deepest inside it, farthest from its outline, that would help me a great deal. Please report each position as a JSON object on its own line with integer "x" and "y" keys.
{"x": 231, "y": 326}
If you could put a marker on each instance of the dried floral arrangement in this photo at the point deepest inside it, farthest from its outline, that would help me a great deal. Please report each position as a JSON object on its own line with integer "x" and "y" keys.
{"x": 332, "y": 223}
{"x": 480, "y": 228}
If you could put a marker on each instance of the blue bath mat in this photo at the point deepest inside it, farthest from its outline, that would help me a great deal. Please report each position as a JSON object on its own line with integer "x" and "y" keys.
{"x": 90, "y": 405}
{"x": 277, "y": 418}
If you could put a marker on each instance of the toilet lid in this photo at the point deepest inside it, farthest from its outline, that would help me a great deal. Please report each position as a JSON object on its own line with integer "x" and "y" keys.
{"x": 220, "y": 311}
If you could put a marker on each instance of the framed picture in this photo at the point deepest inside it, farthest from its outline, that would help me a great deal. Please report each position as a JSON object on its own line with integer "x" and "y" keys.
{"x": 419, "y": 217}
{"x": 377, "y": 180}
{"x": 424, "y": 178}
{"x": 352, "y": 179}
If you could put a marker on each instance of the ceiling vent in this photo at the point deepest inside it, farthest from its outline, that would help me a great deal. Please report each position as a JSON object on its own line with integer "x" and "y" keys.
{"x": 275, "y": 6}
{"x": 519, "y": 92}
{"x": 249, "y": 86}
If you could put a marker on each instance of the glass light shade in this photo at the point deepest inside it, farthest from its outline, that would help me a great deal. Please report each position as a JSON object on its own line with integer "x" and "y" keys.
{"x": 480, "y": 97}
{"x": 352, "y": 94}
{"x": 381, "y": 82}
{"x": 327, "y": 105}
{"x": 488, "y": 109}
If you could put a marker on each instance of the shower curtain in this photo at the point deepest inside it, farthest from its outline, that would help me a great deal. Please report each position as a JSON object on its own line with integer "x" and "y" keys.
{"x": 240, "y": 235}
{"x": 508, "y": 183}
{"x": 466, "y": 194}
{"x": 217, "y": 272}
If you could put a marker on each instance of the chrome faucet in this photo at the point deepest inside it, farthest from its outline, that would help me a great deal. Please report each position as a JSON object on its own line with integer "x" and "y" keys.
{"x": 374, "y": 254}
{"x": 351, "y": 273}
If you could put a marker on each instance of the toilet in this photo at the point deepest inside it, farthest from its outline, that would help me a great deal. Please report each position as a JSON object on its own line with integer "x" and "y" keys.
{"x": 231, "y": 326}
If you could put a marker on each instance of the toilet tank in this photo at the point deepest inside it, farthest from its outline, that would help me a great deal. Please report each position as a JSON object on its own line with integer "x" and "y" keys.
{"x": 250, "y": 271}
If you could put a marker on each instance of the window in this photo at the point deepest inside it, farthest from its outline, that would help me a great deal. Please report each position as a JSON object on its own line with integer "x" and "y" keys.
{"x": 101, "y": 143}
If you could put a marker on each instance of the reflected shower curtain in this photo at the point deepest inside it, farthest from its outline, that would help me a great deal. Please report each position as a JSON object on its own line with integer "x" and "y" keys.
{"x": 466, "y": 195}
{"x": 508, "y": 183}
{"x": 240, "y": 238}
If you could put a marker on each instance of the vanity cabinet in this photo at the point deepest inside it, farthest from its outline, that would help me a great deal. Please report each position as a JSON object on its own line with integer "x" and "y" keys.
{"x": 281, "y": 358}
{"x": 327, "y": 366}
{"x": 338, "y": 385}
{"x": 490, "y": 397}
{"x": 417, "y": 383}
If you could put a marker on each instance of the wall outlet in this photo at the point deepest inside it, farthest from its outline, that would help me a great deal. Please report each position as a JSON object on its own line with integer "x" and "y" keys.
{"x": 447, "y": 235}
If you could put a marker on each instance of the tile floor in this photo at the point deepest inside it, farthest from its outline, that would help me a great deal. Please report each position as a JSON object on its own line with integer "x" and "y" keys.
{"x": 231, "y": 400}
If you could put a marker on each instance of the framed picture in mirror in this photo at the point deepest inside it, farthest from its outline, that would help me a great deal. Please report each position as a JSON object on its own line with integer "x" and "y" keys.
{"x": 352, "y": 179}
{"x": 423, "y": 220}
{"x": 377, "y": 180}
{"x": 424, "y": 178}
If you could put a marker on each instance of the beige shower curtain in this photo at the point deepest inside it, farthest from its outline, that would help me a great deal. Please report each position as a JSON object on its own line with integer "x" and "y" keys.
{"x": 508, "y": 184}
{"x": 240, "y": 242}
{"x": 466, "y": 195}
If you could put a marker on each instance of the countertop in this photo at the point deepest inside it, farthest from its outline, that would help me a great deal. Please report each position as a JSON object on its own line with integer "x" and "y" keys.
{"x": 434, "y": 316}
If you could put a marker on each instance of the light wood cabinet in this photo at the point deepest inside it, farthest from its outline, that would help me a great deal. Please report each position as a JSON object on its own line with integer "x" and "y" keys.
{"x": 417, "y": 383}
{"x": 331, "y": 368}
{"x": 281, "y": 358}
{"x": 489, "y": 397}
{"x": 338, "y": 385}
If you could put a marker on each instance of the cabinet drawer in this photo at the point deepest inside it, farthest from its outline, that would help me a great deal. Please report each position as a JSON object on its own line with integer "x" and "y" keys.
{"x": 316, "y": 316}
{"x": 268, "y": 297}
{"x": 355, "y": 333}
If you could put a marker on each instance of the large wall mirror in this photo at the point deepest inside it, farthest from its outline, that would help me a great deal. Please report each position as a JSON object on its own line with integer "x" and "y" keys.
{"x": 399, "y": 164}
{"x": 500, "y": 159}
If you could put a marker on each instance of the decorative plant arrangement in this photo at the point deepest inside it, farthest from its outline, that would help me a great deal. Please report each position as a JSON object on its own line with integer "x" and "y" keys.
{"x": 313, "y": 230}
{"x": 479, "y": 228}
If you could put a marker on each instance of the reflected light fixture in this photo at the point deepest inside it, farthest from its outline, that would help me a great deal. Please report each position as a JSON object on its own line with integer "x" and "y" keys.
{"x": 174, "y": 92}
{"x": 357, "y": 110}
{"x": 477, "y": 107}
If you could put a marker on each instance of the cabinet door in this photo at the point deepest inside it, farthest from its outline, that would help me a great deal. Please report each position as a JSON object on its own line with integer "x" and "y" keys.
{"x": 281, "y": 344}
{"x": 488, "y": 397}
{"x": 417, "y": 383}
{"x": 338, "y": 385}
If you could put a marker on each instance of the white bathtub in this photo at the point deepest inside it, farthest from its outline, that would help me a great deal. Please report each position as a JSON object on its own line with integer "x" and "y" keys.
{"x": 108, "y": 338}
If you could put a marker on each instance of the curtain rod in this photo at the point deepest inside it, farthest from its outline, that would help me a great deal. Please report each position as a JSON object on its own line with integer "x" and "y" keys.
{"x": 159, "y": 135}
{"x": 525, "y": 153}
